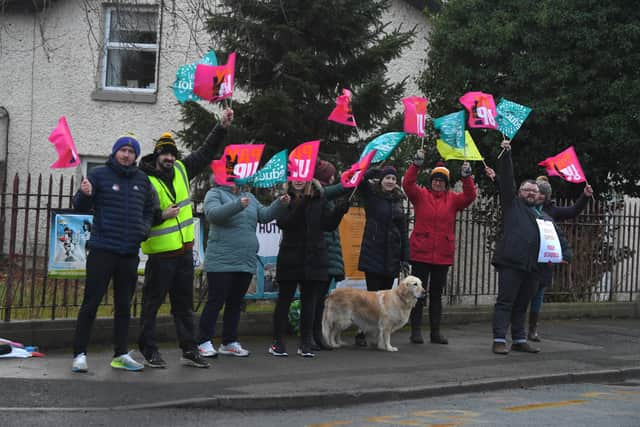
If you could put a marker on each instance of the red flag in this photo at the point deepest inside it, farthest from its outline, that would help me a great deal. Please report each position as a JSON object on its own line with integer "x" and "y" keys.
{"x": 415, "y": 112}
{"x": 302, "y": 161}
{"x": 342, "y": 113}
{"x": 352, "y": 177}
{"x": 63, "y": 141}
{"x": 565, "y": 165}
{"x": 237, "y": 161}
{"x": 481, "y": 108}
{"x": 215, "y": 82}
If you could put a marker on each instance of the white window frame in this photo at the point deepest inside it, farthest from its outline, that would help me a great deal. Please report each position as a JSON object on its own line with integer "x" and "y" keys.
{"x": 96, "y": 160}
{"x": 145, "y": 47}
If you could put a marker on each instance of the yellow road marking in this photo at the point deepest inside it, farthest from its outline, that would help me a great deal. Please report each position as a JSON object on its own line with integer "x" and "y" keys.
{"x": 536, "y": 406}
{"x": 335, "y": 423}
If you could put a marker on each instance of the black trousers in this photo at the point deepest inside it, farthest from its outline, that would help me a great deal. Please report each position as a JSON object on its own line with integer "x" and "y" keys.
{"x": 309, "y": 292}
{"x": 435, "y": 277}
{"x": 175, "y": 277}
{"x": 378, "y": 282}
{"x": 226, "y": 289}
{"x": 101, "y": 267}
{"x": 515, "y": 290}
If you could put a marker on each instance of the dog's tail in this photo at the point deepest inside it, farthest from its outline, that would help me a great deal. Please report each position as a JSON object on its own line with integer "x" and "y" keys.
{"x": 325, "y": 321}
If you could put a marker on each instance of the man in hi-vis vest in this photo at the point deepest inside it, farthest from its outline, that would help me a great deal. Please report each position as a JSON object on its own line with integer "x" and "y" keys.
{"x": 169, "y": 268}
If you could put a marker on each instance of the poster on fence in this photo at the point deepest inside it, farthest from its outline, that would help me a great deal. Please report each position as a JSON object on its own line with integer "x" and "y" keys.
{"x": 264, "y": 282}
{"x": 68, "y": 237}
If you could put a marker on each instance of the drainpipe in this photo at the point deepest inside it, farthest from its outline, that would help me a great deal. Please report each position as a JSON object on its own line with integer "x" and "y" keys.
{"x": 4, "y": 120}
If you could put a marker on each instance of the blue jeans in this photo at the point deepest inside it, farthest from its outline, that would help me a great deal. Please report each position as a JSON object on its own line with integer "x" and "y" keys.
{"x": 546, "y": 277}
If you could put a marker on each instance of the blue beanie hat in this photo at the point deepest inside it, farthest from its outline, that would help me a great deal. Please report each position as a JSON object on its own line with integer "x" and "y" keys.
{"x": 125, "y": 140}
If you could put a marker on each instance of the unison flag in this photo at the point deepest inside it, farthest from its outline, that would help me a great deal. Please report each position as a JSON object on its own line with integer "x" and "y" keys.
{"x": 352, "y": 177}
{"x": 63, "y": 141}
{"x": 238, "y": 161}
{"x": 342, "y": 113}
{"x": 302, "y": 161}
{"x": 215, "y": 83}
{"x": 565, "y": 165}
{"x": 481, "y": 108}
{"x": 415, "y": 113}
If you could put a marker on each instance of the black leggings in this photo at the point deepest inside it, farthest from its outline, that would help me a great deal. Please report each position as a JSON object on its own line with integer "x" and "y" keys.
{"x": 309, "y": 292}
{"x": 435, "y": 276}
{"x": 378, "y": 282}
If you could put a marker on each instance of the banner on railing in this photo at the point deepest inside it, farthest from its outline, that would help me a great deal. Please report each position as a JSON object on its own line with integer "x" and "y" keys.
{"x": 68, "y": 239}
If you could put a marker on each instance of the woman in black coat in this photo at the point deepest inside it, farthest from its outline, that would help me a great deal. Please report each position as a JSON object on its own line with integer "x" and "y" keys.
{"x": 302, "y": 260}
{"x": 384, "y": 249}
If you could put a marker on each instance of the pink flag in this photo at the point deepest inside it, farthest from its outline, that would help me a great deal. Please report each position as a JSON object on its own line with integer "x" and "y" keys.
{"x": 215, "y": 82}
{"x": 415, "y": 112}
{"x": 565, "y": 165}
{"x": 481, "y": 108}
{"x": 352, "y": 177}
{"x": 63, "y": 141}
{"x": 302, "y": 161}
{"x": 342, "y": 113}
{"x": 238, "y": 161}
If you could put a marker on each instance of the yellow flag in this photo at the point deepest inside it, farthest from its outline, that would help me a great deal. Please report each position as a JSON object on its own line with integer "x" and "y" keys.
{"x": 469, "y": 152}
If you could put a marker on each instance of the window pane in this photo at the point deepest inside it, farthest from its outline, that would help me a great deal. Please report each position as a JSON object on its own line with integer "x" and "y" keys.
{"x": 130, "y": 26}
{"x": 132, "y": 69}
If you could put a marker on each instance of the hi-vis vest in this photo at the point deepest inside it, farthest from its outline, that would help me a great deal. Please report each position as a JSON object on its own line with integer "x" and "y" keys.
{"x": 172, "y": 233}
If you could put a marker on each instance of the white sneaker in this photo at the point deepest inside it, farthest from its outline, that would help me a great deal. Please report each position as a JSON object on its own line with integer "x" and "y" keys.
{"x": 126, "y": 362}
{"x": 206, "y": 349}
{"x": 233, "y": 349}
{"x": 79, "y": 363}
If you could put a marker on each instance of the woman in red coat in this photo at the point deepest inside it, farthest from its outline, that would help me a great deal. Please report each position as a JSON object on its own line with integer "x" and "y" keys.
{"x": 432, "y": 242}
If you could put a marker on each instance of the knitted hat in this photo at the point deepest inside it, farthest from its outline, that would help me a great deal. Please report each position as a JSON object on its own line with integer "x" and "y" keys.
{"x": 324, "y": 172}
{"x": 544, "y": 187}
{"x": 440, "y": 171}
{"x": 166, "y": 144}
{"x": 388, "y": 170}
{"x": 126, "y": 140}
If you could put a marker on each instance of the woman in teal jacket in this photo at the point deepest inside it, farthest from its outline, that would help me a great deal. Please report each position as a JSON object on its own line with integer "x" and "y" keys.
{"x": 230, "y": 261}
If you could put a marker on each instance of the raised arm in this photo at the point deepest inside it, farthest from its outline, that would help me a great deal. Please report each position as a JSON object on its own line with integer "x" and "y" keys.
{"x": 199, "y": 159}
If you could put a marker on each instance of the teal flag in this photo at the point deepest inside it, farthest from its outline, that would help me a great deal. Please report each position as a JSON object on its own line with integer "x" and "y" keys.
{"x": 451, "y": 128}
{"x": 384, "y": 145}
{"x": 510, "y": 117}
{"x": 272, "y": 173}
{"x": 183, "y": 86}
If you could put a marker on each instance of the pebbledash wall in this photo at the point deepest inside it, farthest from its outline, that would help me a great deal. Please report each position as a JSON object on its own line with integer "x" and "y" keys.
{"x": 49, "y": 67}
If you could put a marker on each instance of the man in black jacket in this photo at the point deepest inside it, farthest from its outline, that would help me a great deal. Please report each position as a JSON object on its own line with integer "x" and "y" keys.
{"x": 516, "y": 258}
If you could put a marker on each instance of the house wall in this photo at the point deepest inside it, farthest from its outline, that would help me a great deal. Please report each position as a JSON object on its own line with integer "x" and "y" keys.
{"x": 48, "y": 68}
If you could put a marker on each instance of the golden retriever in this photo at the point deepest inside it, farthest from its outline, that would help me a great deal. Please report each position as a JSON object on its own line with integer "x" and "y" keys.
{"x": 377, "y": 314}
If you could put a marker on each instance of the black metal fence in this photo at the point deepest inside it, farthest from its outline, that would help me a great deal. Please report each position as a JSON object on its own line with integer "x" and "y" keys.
{"x": 605, "y": 240}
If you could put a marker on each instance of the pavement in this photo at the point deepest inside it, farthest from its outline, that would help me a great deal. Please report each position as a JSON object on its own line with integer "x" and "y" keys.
{"x": 584, "y": 350}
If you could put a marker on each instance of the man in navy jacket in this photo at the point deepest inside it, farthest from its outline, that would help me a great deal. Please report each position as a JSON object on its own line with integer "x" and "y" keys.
{"x": 121, "y": 198}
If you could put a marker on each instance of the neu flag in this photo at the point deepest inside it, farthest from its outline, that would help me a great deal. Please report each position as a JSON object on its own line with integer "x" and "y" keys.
{"x": 468, "y": 152}
{"x": 342, "y": 113}
{"x": 215, "y": 82}
{"x": 415, "y": 113}
{"x": 272, "y": 173}
{"x": 238, "y": 161}
{"x": 451, "y": 128}
{"x": 302, "y": 161}
{"x": 481, "y": 108}
{"x": 185, "y": 76}
{"x": 510, "y": 117}
{"x": 565, "y": 165}
{"x": 63, "y": 141}
{"x": 383, "y": 145}
{"x": 352, "y": 177}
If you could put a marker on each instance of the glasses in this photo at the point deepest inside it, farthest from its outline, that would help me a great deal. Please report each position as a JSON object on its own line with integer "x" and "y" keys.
{"x": 529, "y": 190}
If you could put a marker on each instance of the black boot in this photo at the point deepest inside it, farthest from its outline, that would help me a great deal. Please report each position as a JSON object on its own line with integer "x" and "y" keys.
{"x": 533, "y": 327}
{"x": 416, "y": 322}
{"x": 437, "y": 337}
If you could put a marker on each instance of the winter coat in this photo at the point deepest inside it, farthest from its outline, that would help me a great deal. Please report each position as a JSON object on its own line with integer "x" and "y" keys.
{"x": 232, "y": 245}
{"x": 518, "y": 248}
{"x": 334, "y": 248}
{"x": 122, "y": 204}
{"x": 432, "y": 239}
{"x": 303, "y": 249}
{"x": 384, "y": 241}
